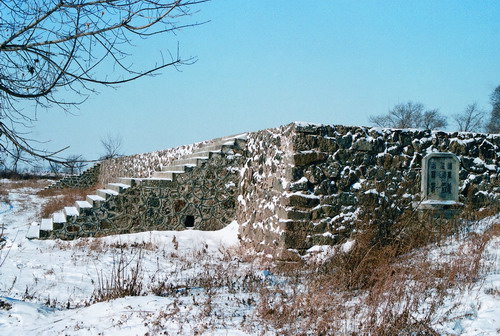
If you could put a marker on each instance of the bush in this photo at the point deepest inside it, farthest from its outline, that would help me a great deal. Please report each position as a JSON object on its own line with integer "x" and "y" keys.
{"x": 60, "y": 198}
{"x": 393, "y": 281}
{"x": 125, "y": 279}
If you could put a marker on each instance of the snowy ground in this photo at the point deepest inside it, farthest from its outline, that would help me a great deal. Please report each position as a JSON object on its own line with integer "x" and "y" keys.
{"x": 41, "y": 279}
{"x": 189, "y": 283}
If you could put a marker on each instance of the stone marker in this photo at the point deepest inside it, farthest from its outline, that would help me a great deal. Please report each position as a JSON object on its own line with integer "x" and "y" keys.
{"x": 440, "y": 182}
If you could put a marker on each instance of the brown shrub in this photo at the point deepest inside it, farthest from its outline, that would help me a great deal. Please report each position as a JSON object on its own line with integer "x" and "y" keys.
{"x": 4, "y": 194}
{"x": 19, "y": 184}
{"x": 60, "y": 198}
{"x": 382, "y": 284}
{"x": 125, "y": 279}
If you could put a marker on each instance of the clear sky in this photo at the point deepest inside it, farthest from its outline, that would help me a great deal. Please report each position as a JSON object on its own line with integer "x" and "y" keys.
{"x": 265, "y": 63}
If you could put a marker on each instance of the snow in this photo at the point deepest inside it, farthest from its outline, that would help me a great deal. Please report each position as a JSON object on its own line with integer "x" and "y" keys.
{"x": 40, "y": 279}
{"x": 83, "y": 204}
{"x": 306, "y": 124}
{"x": 229, "y": 185}
{"x": 299, "y": 193}
{"x": 441, "y": 202}
{"x": 121, "y": 185}
{"x": 33, "y": 231}
{"x": 5, "y": 207}
{"x": 35, "y": 272}
{"x": 59, "y": 217}
{"x": 96, "y": 198}
{"x": 356, "y": 186}
{"x": 478, "y": 162}
{"x": 108, "y": 191}
{"x": 71, "y": 211}
{"x": 46, "y": 224}
{"x": 347, "y": 246}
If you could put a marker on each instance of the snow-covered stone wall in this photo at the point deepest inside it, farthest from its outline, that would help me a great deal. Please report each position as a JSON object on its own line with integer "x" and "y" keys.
{"x": 303, "y": 184}
{"x": 294, "y": 186}
{"x": 144, "y": 164}
{"x": 86, "y": 179}
{"x": 202, "y": 198}
{"x": 264, "y": 178}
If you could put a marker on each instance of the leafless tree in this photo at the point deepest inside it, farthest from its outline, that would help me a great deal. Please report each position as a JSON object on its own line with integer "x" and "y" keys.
{"x": 471, "y": 119}
{"x": 493, "y": 125}
{"x": 112, "y": 146}
{"x": 55, "y": 168}
{"x": 16, "y": 158}
{"x": 52, "y": 50}
{"x": 410, "y": 115}
{"x": 432, "y": 119}
{"x": 74, "y": 164}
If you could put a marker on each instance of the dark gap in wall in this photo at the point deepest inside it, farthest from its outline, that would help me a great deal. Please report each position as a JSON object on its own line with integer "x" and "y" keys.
{"x": 189, "y": 221}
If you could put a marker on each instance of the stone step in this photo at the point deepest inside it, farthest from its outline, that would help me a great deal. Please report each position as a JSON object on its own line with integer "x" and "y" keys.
{"x": 71, "y": 211}
{"x": 118, "y": 187}
{"x": 229, "y": 140}
{"x": 227, "y": 149}
{"x": 94, "y": 200}
{"x": 81, "y": 205}
{"x": 175, "y": 168}
{"x": 205, "y": 155}
{"x": 215, "y": 147}
{"x": 106, "y": 193}
{"x": 47, "y": 224}
{"x": 167, "y": 175}
{"x": 194, "y": 161}
{"x": 156, "y": 182}
{"x": 58, "y": 217}
{"x": 33, "y": 231}
{"x": 130, "y": 181}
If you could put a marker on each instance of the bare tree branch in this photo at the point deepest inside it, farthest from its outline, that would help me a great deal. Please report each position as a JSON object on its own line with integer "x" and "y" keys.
{"x": 493, "y": 125}
{"x": 410, "y": 115}
{"x": 471, "y": 119}
{"x": 112, "y": 146}
{"x": 46, "y": 45}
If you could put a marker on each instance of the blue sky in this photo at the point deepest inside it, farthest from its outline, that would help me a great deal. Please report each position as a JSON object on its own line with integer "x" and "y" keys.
{"x": 265, "y": 63}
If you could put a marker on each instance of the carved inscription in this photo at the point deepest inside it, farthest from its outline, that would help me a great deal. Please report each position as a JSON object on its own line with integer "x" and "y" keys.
{"x": 440, "y": 177}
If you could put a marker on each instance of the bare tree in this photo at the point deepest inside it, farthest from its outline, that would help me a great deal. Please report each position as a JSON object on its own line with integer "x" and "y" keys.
{"x": 432, "y": 119}
{"x": 410, "y": 115}
{"x": 471, "y": 119}
{"x": 493, "y": 125}
{"x": 112, "y": 146}
{"x": 47, "y": 45}
{"x": 16, "y": 157}
{"x": 74, "y": 164}
{"x": 55, "y": 168}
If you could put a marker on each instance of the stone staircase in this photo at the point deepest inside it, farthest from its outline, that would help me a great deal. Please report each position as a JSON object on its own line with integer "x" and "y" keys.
{"x": 197, "y": 158}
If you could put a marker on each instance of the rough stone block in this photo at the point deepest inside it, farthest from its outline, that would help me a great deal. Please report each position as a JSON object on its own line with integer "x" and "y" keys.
{"x": 302, "y": 201}
{"x": 307, "y": 158}
{"x": 363, "y": 145}
{"x": 293, "y": 214}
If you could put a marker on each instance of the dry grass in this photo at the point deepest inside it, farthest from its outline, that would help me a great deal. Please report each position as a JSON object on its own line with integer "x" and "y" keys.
{"x": 60, "y": 198}
{"x": 30, "y": 186}
{"x": 392, "y": 282}
{"x": 126, "y": 279}
{"x": 19, "y": 184}
{"x": 4, "y": 195}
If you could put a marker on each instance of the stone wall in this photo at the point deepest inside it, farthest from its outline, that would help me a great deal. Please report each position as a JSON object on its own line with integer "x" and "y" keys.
{"x": 87, "y": 179}
{"x": 143, "y": 165}
{"x": 289, "y": 187}
{"x": 264, "y": 178}
{"x": 202, "y": 198}
{"x": 303, "y": 184}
